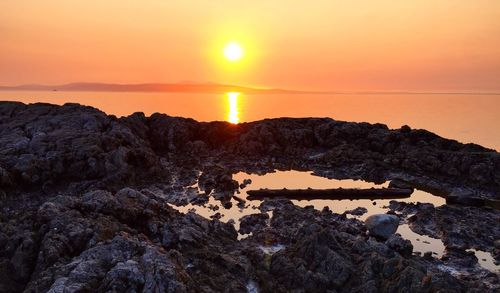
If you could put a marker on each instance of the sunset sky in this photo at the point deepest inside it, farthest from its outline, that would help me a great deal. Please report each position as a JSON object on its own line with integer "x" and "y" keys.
{"x": 317, "y": 45}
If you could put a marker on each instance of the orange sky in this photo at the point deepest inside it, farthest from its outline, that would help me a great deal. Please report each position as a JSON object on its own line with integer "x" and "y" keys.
{"x": 337, "y": 45}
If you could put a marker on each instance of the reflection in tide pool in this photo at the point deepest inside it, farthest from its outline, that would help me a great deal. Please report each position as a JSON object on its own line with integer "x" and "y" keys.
{"x": 486, "y": 260}
{"x": 302, "y": 180}
{"x": 233, "y": 112}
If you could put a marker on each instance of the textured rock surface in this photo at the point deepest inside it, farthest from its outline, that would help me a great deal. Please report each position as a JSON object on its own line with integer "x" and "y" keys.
{"x": 382, "y": 225}
{"x": 102, "y": 241}
{"x": 85, "y": 205}
{"x": 45, "y": 145}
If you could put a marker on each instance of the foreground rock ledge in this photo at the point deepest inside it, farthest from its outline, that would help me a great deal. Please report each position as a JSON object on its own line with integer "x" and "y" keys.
{"x": 73, "y": 216}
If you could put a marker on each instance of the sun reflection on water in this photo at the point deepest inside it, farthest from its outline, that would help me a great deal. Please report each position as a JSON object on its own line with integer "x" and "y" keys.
{"x": 233, "y": 113}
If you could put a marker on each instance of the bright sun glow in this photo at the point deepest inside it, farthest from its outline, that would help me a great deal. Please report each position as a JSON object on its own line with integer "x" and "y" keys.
{"x": 234, "y": 115}
{"x": 233, "y": 52}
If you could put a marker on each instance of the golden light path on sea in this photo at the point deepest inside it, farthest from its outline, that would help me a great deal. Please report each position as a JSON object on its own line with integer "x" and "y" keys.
{"x": 233, "y": 112}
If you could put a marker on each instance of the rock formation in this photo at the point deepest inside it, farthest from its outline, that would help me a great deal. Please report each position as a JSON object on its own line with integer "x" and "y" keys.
{"x": 85, "y": 205}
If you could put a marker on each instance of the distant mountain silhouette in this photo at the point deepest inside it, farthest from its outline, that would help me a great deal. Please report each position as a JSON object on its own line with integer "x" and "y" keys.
{"x": 150, "y": 87}
{"x": 209, "y": 87}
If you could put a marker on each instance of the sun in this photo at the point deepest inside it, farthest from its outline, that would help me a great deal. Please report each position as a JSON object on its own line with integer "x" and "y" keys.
{"x": 233, "y": 52}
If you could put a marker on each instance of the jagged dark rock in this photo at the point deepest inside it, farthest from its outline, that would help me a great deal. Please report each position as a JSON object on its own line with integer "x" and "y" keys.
{"x": 253, "y": 223}
{"x": 460, "y": 227}
{"x": 359, "y": 211}
{"x": 85, "y": 205}
{"x": 38, "y": 144}
{"x": 402, "y": 246}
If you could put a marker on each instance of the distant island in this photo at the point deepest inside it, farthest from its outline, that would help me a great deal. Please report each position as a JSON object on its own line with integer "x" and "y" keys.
{"x": 211, "y": 88}
{"x": 151, "y": 87}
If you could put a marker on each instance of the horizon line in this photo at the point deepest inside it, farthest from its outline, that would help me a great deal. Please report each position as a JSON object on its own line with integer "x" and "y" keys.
{"x": 87, "y": 86}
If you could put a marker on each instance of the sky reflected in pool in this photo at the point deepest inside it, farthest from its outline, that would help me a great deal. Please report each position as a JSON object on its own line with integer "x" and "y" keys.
{"x": 302, "y": 180}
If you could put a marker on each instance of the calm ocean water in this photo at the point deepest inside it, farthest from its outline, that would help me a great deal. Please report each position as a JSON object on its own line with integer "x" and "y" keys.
{"x": 464, "y": 117}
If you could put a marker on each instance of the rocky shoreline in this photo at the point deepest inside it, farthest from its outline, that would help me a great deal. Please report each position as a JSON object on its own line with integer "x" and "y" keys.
{"x": 86, "y": 205}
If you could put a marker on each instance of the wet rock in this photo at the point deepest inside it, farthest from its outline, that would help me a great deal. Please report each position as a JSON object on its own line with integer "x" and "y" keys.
{"x": 459, "y": 258}
{"x": 428, "y": 255}
{"x": 402, "y": 246}
{"x": 405, "y": 209}
{"x": 464, "y": 198}
{"x": 199, "y": 199}
{"x": 241, "y": 202}
{"x": 245, "y": 183}
{"x": 216, "y": 216}
{"x": 398, "y": 183}
{"x": 459, "y": 227}
{"x": 382, "y": 225}
{"x": 213, "y": 207}
{"x": 359, "y": 211}
{"x": 252, "y": 223}
{"x": 269, "y": 205}
{"x": 227, "y": 205}
{"x": 217, "y": 179}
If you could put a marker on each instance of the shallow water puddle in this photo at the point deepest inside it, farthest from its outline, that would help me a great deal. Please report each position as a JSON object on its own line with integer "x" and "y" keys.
{"x": 303, "y": 180}
{"x": 486, "y": 260}
{"x": 213, "y": 207}
{"x": 422, "y": 243}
